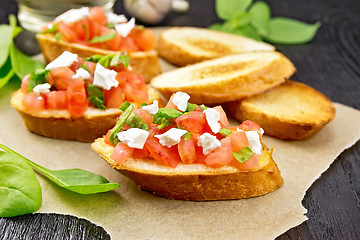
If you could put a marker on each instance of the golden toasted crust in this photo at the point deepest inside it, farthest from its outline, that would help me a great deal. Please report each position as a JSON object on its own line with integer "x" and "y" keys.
{"x": 291, "y": 111}
{"x": 197, "y": 182}
{"x": 146, "y": 64}
{"x": 188, "y": 45}
{"x": 59, "y": 124}
{"x": 228, "y": 78}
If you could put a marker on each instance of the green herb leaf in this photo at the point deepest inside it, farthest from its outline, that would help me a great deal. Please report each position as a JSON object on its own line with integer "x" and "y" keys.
{"x": 105, "y": 60}
{"x": 20, "y": 191}
{"x": 97, "y": 102}
{"x": 243, "y": 155}
{"x": 248, "y": 31}
{"x": 103, "y": 38}
{"x": 187, "y": 136}
{"x": 22, "y": 63}
{"x": 290, "y": 31}
{"x": 5, "y": 42}
{"x": 96, "y": 96}
{"x": 168, "y": 113}
{"x": 227, "y": 9}
{"x": 125, "y": 60}
{"x": 110, "y": 25}
{"x": 53, "y": 29}
{"x": 127, "y": 109}
{"x": 225, "y": 132}
{"x": 6, "y": 73}
{"x": 57, "y": 36}
{"x": 76, "y": 180}
{"x": 134, "y": 121}
{"x": 36, "y": 78}
{"x": 94, "y": 58}
{"x": 115, "y": 60}
{"x": 260, "y": 17}
{"x": 162, "y": 121}
{"x": 191, "y": 107}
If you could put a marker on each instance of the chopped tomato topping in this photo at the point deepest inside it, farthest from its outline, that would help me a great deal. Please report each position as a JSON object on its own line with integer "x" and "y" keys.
{"x": 76, "y": 97}
{"x": 252, "y": 163}
{"x": 114, "y": 97}
{"x": 221, "y": 156}
{"x": 56, "y": 100}
{"x": 33, "y": 101}
{"x": 62, "y": 77}
{"x": 144, "y": 115}
{"x": 98, "y": 15}
{"x": 24, "y": 84}
{"x": 238, "y": 141}
{"x": 121, "y": 152}
{"x": 140, "y": 153}
{"x": 224, "y": 122}
{"x": 187, "y": 150}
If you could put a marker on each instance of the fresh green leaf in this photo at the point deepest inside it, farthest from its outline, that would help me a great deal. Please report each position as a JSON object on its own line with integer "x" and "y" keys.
{"x": 105, "y": 60}
{"x": 290, "y": 31}
{"x": 5, "y": 42}
{"x": 22, "y": 63}
{"x": 227, "y": 9}
{"x": 103, "y": 38}
{"x": 187, "y": 136}
{"x": 248, "y": 31}
{"x": 125, "y": 60}
{"x": 53, "y": 29}
{"x": 225, "y": 132}
{"x": 20, "y": 191}
{"x": 96, "y": 96}
{"x": 125, "y": 106}
{"x": 240, "y": 20}
{"x": 168, "y": 113}
{"x": 243, "y": 155}
{"x": 260, "y": 17}
{"x": 36, "y": 78}
{"x": 191, "y": 107}
{"x": 110, "y": 25}
{"x": 57, "y": 36}
{"x": 97, "y": 102}
{"x": 162, "y": 121}
{"x": 134, "y": 121}
{"x": 203, "y": 107}
{"x": 76, "y": 180}
{"x": 87, "y": 32}
{"x": 118, "y": 126}
{"x": 115, "y": 60}
{"x": 6, "y": 73}
{"x": 94, "y": 58}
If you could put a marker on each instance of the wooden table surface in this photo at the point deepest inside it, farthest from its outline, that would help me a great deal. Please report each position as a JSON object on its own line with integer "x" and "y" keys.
{"x": 330, "y": 64}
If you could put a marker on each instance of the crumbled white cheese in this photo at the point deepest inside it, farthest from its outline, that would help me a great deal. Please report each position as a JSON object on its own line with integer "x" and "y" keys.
{"x": 171, "y": 137}
{"x": 180, "y": 100}
{"x": 66, "y": 59}
{"x": 73, "y": 15}
{"x": 115, "y": 19}
{"x": 254, "y": 141}
{"x": 208, "y": 142}
{"x": 42, "y": 88}
{"x": 213, "y": 118}
{"x": 125, "y": 28}
{"x": 105, "y": 78}
{"x": 81, "y": 73}
{"x": 152, "y": 108}
{"x": 134, "y": 137}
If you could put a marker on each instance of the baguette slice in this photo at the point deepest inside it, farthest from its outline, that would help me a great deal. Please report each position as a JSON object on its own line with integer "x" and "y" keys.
{"x": 228, "y": 78}
{"x": 291, "y": 111}
{"x": 59, "y": 124}
{"x": 197, "y": 182}
{"x": 188, "y": 45}
{"x": 146, "y": 64}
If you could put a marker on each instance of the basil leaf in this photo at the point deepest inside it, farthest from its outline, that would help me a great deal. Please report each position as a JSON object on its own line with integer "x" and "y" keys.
{"x": 187, "y": 136}
{"x": 248, "y": 31}
{"x": 103, "y": 38}
{"x": 290, "y": 31}
{"x": 203, "y": 107}
{"x": 227, "y": 9}
{"x": 115, "y": 60}
{"x": 22, "y": 63}
{"x": 225, "y": 132}
{"x": 168, "y": 113}
{"x": 243, "y": 155}
{"x": 57, "y": 36}
{"x": 96, "y": 96}
{"x": 260, "y": 17}
{"x": 75, "y": 180}
{"x": 97, "y": 102}
{"x": 110, "y": 25}
{"x": 20, "y": 191}
{"x": 87, "y": 32}
{"x": 134, "y": 121}
{"x": 5, "y": 42}
{"x": 122, "y": 119}
{"x": 94, "y": 58}
{"x": 36, "y": 78}
{"x": 6, "y": 73}
{"x": 53, "y": 29}
{"x": 191, "y": 107}
{"x": 105, "y": 60}
{"x": 162, "y": 121}
{"x": 125, "y": 106}
{"x": 125, "y": 60}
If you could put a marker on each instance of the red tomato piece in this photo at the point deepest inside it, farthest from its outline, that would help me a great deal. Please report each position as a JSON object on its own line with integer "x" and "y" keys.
{"x": 24, "y": 84}
{"x": 122, "y": 77}
{"x": 140, "y": 153}
{"x": 75, "y": 66}
{"x": 187, "y": 151}
{"x": 62, "y": 77}
{"x": 144, "y": 39}
{"x": 162, "y": 154}
{"x": 195, "y": 121}
{"x": 67, "y": 32}
{"x": 128, "y": 44}
{"x": 170, "y": 103}
{"x": 238, "y": 141}
{"x": 224, "y": 122}
{"x": 121, "y": 153}
{"x": 249, "y": 125}
{"x": 252, "y": 163}
{"x": 76, "y": 97}
{"x": 82, "y": 30}
{"x": 106, "y": 138}
{"x": 221, "y": 156}
{"x": 135, "y": 80}
{"x": 90, "y": 66}
{"x": 114, "y": 97}
{"x": 56, "y": 100}
{"x": 144, "y": 115}
{"x": 97, "y": 14}
{"x": 135, "y": 95}
{"x": 33, "y": 101}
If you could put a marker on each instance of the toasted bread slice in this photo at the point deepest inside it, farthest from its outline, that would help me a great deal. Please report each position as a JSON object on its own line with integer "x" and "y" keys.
{"x": 188, "y": 45}
{"x": 228, "y": 78}
{"x": 291, "y": 111}
{"x": 59, "y": 124}
{"x": 146, "y": 64}
{"x": 197, "y": 182}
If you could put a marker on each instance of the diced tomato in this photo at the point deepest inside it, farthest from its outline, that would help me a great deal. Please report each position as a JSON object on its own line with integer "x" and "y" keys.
{"x": 135, "y": 80}
{"x": 162, "y": 154}
{"x": 187, "y": 150}
{"x": 121, "y": 153}
{"x": 82, "y": 29}
{"x": 200, "y": 157}
{"x": 195, "y": 121}
{"x": 122, "y": 77}
{"x": 75, "y": 66}
{"x": 224, "y": 122}
{"x": 67, "y": 32}
{"x": 135, "y": 95}
{"x": 115, "y": 43}
{"x": 76, "y": 97}
{"x": 144, "y": 39}
{"x": 90, "y": 66}
{"x": 24, "y": 84}
{"x": 252, "y": 163}
{"x": 249, "y": 125}
{"x": 238, "y": 141}
{"x": 62, "y": 77}
{"x": 95, "y": 29}
{"x": 106, "y": 138}
{"x": 221, "y": 156}
{"x": 140, "y": 153}
{"x": 128, "y": 44}
{"x": 56, "y": 100}
{"x": 98, "y": 15}
{"x": 170, "y": 103}
{"x": 144, "y": 115}
{"x": 114, "y": 97}
{"x": 33, "y": 101}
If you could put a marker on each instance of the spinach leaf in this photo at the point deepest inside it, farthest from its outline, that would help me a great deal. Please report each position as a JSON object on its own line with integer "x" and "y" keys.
{"x": 122, "y": 119}
{"x": 96, "y": 96}
{"x": 260, "y": 17}
{"x": 22, "y": 63}
{"x": 76, "y": 180}
{"x": 168, "y": 113}
{"x": 20, "y": 191}
{"x": 36, "y": 78}
{"x": 225, "y": 132}
{"x": 290, "y": 31}
{"x": 227, "y": 9}
{"x": 243, "y": 155}
{"x": 6, "y": 73}
{"x": 103, "y": 38}
{"x": 5, "y": 42}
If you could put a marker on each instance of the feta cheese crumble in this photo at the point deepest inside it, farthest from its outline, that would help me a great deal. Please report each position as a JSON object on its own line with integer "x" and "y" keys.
{"x": 180, "y": 100}
{"x": 81, "y": 73}
{"x": 104, "y": 78}
{"x": 254, "y": 141}
{"x": 66, "y": 59}
{"x": 42, "y": 88}
{"x": 152, "y": 108}
{"x": 115, "y": 19}
{"x": 171, "y": 137}
{"x": 213, "y": 118}
{"x": 73, "y": 15}
{"x": 125, "y": 28}
{"x": 208, "y": 142}
{"x": 134, "y": 137}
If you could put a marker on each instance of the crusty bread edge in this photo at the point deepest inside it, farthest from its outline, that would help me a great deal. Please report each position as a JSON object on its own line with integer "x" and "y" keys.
{"x": 204, "y": 184}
